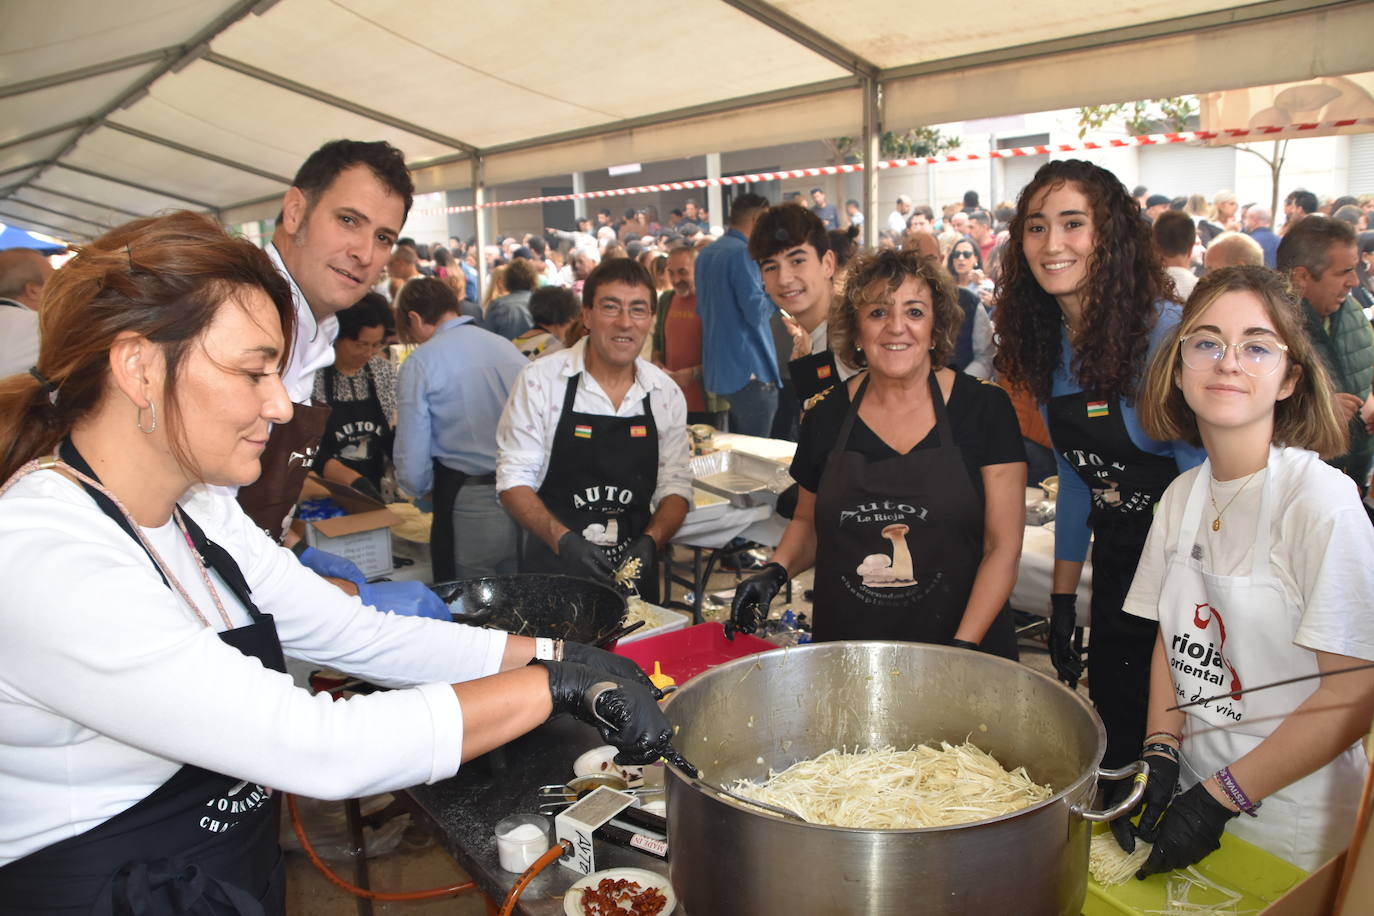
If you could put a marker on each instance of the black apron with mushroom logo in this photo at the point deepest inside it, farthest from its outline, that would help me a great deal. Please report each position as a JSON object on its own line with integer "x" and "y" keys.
{"x": 1126, "y": 483}
{"x": 899, "y": 541}
{"x": 601, "y": 479}
{"x": 357, "y": 434}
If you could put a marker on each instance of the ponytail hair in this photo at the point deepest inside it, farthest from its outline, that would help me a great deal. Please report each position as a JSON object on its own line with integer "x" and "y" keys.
{"x": 163, "y": 278}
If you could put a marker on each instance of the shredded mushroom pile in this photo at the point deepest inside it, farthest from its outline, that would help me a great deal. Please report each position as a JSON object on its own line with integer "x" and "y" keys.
{"x": 887, "y": 789}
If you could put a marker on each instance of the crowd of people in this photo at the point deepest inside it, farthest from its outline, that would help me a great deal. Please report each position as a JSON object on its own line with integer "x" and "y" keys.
{"x": 1199, "y": 382}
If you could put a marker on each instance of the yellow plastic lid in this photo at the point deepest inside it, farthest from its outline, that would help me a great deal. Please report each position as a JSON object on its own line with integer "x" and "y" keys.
{"x": 659, "y": 679}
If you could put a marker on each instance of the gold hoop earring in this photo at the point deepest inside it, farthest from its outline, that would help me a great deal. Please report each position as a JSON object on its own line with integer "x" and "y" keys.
{"x": 138, "y": 419}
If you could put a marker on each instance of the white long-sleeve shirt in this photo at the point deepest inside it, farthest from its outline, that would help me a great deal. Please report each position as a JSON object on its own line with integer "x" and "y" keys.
{"x": 109, "y": 682}
{"x": 524, "y": 437}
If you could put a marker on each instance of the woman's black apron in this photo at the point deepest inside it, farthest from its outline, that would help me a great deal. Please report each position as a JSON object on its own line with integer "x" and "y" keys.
{"x": 357, "y": 434}
{"x": 1126, "y": 484}
{"x": 202, "y": 843}
{"x": 899, "y": 541}
{"x": 600, "y": 482}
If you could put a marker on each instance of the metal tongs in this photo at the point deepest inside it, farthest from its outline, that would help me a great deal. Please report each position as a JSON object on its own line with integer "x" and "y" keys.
{"x": 693, "y": 775}
{"x": 673, "y": 758}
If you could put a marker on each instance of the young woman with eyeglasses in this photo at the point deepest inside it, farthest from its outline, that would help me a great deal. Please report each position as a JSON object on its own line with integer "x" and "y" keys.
{"x": 1257, "y": 569}
{"x": 1083, "y": 300}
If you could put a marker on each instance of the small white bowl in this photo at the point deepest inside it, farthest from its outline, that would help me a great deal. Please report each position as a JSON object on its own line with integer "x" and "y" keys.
{"x": 602, "y": 760}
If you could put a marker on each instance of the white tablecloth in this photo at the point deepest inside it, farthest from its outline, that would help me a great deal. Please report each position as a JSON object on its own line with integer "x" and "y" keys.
{"x": 1033, "y": 576}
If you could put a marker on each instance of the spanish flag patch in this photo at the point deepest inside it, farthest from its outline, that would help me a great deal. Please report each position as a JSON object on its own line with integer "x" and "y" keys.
{"x": 639, "y": 432}
{"x": 582, "y": 432}
{"x": 822, "y": 372}
{"x": 1097, "y": 409}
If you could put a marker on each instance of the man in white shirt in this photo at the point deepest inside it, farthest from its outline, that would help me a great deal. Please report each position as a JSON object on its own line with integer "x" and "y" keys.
{"x": 592, "y": 446}
{"x": 338, "y": 223}
{"x": 339, "y": 220}
{"x": 1175, "y": 232}
{"x": 23, "y": 272}
{"x": 896, "y": 220}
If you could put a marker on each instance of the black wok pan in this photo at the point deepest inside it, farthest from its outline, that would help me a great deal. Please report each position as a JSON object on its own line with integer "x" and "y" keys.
{"x": 536, "y": 604}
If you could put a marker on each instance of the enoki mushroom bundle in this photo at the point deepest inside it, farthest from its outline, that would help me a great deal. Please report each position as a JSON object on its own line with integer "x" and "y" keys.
{"x": 887, "y": 789}
{"x": 1109, "y": 864}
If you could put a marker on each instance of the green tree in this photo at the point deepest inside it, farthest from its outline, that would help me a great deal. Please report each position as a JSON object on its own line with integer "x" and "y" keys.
{"x": 915, "y": 143}
{"x": 1146, "y": 116}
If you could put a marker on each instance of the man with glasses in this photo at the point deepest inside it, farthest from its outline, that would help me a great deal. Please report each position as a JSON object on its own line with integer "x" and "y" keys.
{"x": 593, "y": 452}
{"x": 1318, "y": 254}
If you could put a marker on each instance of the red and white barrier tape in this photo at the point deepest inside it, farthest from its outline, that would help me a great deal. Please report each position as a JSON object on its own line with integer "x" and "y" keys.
{"x": 1253, "y": 133}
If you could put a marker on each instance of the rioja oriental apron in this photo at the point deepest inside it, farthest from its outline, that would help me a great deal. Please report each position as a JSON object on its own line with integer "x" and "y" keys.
{"x": 899, "y": 541}
{"x": 1225, "y": 632}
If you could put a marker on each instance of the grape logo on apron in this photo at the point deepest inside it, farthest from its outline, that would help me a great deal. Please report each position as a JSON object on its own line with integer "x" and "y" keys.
{"x": 1205, "y": 660}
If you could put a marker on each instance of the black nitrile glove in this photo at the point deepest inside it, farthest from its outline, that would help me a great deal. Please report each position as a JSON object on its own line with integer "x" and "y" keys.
{"x": 1068, "y": 664}
{"x": 625, "y": 712}
{"x": 618, "y": 666}
{"x": 1190, "y": 829}
{"x": 752, "y": 596}
{"x": 581, "y": 557}
{"x": 365, "y": 487}
{"x": 1159, "y": 794}
{"x": 645, "y": 551}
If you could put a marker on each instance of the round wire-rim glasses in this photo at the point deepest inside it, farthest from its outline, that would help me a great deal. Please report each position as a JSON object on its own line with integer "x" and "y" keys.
{"x": 1258, "y": 357}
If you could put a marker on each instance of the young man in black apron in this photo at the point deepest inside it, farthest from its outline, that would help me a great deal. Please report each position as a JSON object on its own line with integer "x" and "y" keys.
{"x": 592, "y": 438}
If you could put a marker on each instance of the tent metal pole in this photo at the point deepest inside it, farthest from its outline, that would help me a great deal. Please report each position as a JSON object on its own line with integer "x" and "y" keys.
{"x": 713, "y": 195}
{"x": 872, "y": 137}
{"x": 479, "y": 197}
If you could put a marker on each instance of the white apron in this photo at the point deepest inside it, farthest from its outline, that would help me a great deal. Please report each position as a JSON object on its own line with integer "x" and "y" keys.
{"x": 1232, "y": 632}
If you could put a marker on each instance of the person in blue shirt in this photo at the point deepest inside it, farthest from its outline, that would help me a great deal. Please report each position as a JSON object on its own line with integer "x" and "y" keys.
{"x": 737, "y": 353}
{"x": 450, "y": 395}
{"x": 1257, "y": 220}
{"x": 1083, "y": 302}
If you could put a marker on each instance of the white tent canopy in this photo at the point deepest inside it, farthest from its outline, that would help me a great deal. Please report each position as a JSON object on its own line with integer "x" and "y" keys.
{"x": 111, "y": 110}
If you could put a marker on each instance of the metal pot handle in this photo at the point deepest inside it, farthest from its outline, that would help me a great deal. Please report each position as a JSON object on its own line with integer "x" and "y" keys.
{"x": 1141, "y": 770}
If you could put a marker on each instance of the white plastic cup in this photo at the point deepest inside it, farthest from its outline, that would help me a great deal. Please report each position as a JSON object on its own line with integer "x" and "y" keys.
{"x": 520, "y": 840}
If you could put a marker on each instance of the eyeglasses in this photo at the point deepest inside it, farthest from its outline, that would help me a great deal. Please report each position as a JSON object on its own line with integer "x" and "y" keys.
{"x": 1258, "y": 357}
{"x": 615, "y": 310}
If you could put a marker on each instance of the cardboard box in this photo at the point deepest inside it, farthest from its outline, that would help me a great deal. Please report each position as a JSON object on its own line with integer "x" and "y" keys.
{"x": 363, "y": 535}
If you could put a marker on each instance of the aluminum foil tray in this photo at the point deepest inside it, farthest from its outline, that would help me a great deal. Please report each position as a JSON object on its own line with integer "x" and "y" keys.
{"x": 745, "y": 480}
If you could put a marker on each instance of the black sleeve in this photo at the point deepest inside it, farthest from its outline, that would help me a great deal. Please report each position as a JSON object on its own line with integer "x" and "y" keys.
{"x": 819, "y": 427}
{"x": 986, "y": 428}
{"x": 813, "y": 373}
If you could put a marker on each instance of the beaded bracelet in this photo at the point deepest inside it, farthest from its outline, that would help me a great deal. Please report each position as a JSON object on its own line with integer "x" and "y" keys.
{"x": 1152, "y": 735}
{"x": 1235, "y": 792}
{"x": 1159, "y": 747}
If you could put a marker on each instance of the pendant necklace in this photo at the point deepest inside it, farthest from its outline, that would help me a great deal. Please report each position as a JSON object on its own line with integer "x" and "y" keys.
{"x": 1216, "y": 522}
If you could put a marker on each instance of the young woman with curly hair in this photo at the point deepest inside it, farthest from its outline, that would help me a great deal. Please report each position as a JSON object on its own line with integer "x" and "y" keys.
{"x": 1082, "y": 303}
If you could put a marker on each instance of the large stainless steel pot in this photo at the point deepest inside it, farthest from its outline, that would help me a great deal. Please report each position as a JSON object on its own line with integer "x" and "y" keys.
{"x": 774, "y": 709}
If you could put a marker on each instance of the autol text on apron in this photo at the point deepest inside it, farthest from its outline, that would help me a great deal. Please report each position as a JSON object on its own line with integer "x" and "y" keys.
{"x": 608, "y": 498}
{"x": 884, "y": 511}
{"x": 1108, "y": 495}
